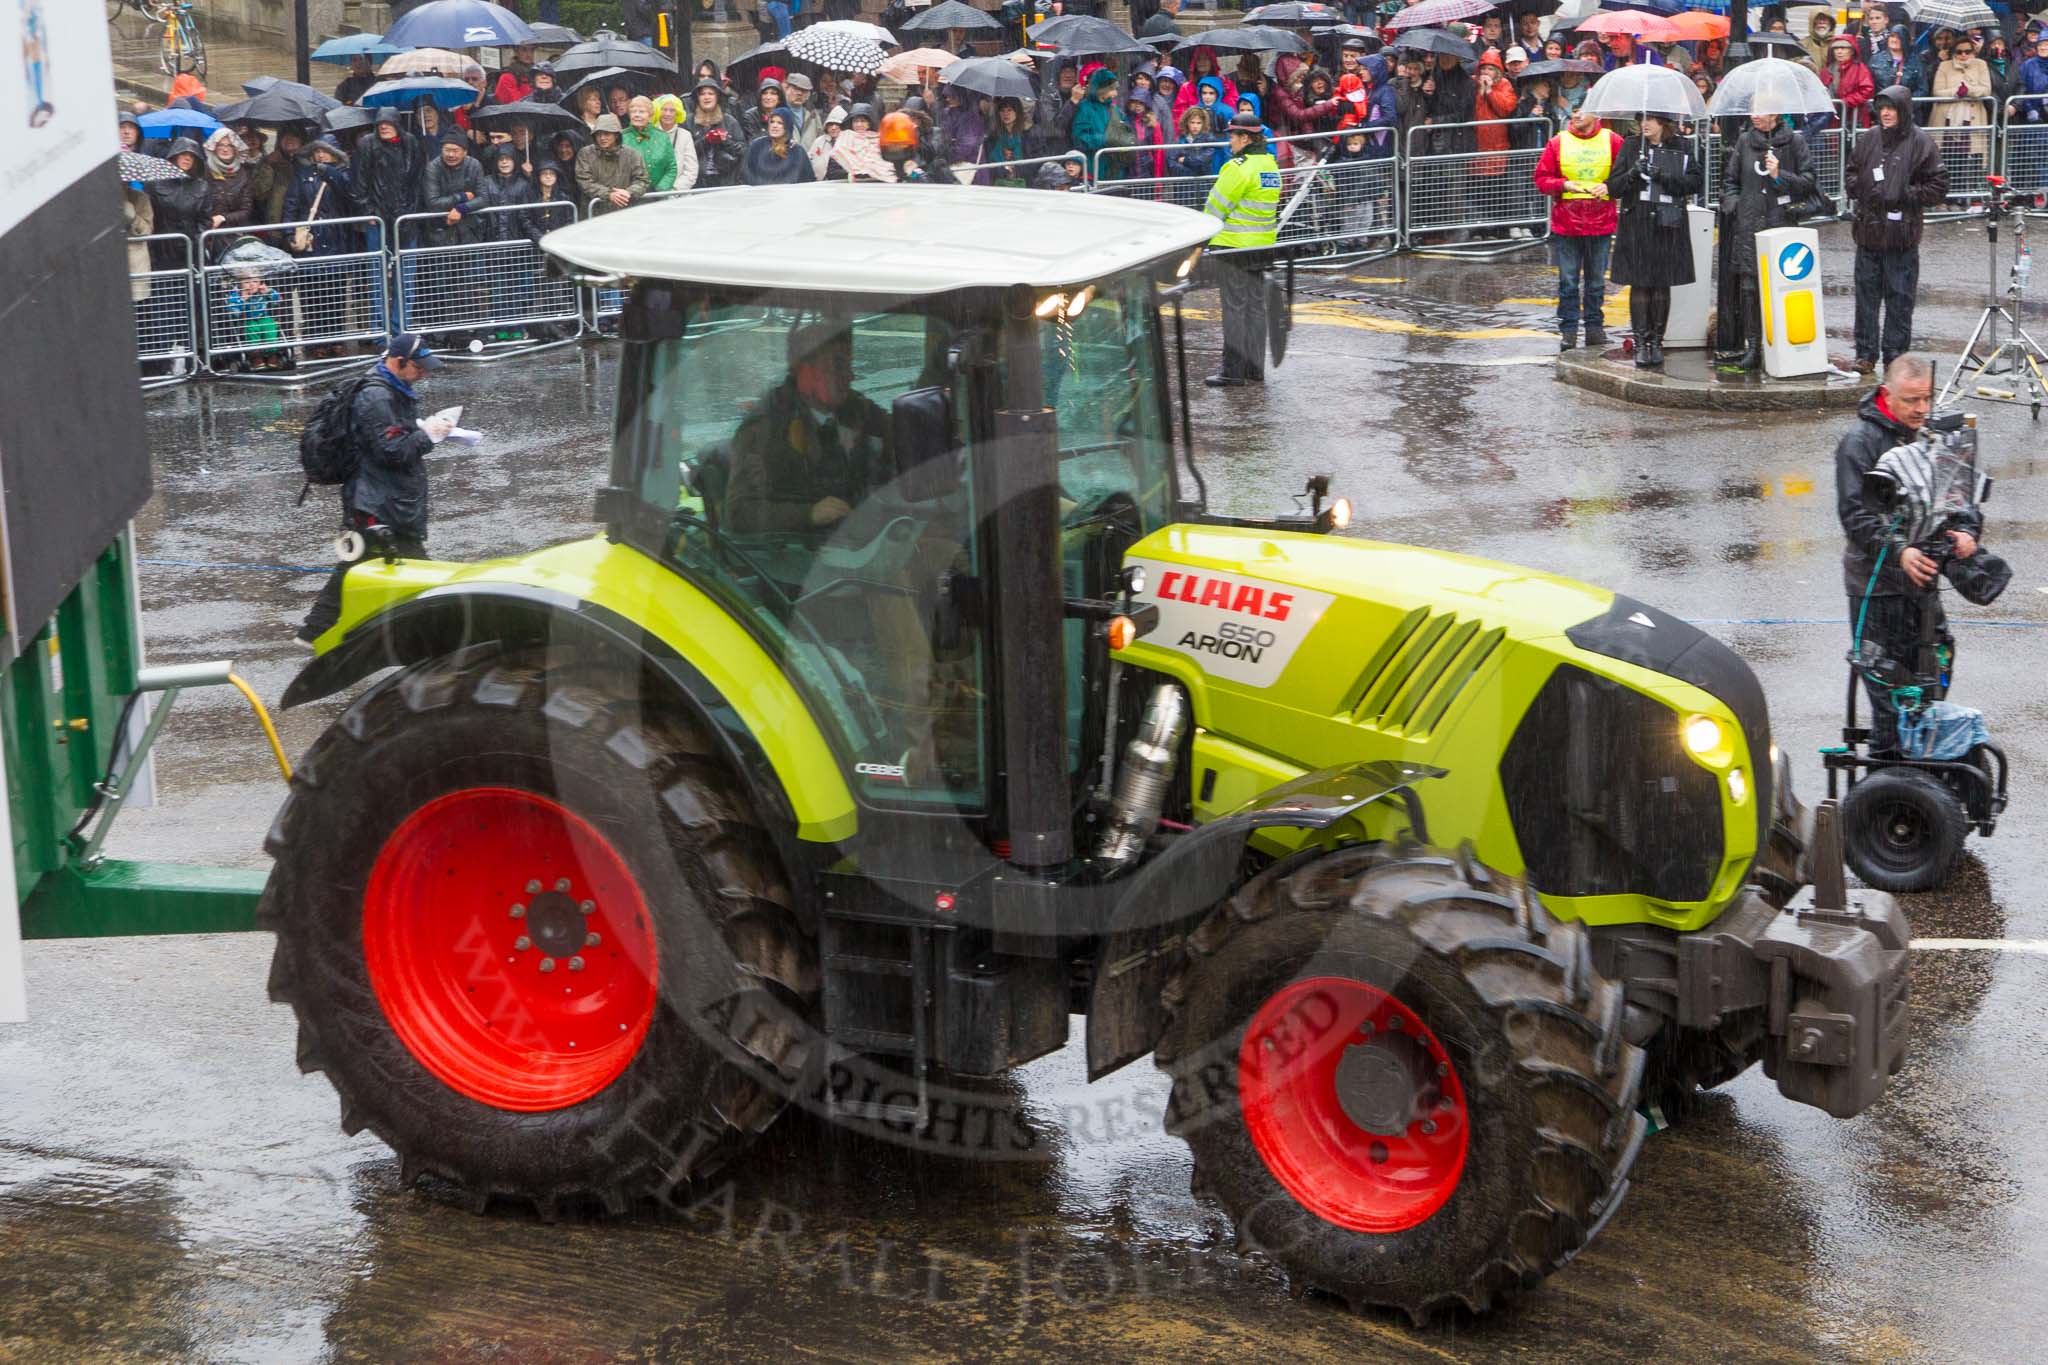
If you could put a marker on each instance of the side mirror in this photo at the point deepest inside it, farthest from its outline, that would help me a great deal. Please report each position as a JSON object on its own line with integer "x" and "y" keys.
{"x": 921, "y": 430}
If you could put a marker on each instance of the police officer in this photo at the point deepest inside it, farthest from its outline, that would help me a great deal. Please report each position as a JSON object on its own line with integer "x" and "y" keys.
{"x": 1246, "y": 197}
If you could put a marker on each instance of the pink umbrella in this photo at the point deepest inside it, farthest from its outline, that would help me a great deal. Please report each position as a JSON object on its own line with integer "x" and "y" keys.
{"x": 1636, "y": 24}
{"x": 907, "y": 66}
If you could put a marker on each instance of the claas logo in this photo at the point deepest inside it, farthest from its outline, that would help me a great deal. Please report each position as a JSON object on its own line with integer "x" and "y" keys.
{"x": 1245, "y": 599}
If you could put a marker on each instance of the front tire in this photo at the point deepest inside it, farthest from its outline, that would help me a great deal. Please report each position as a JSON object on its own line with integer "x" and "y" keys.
{"x": 1401, "y": 1079}
{"x": 533, "y": 935}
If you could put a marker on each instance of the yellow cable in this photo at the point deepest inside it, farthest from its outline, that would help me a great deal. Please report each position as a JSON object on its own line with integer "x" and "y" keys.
{"x": 269, "y": 731}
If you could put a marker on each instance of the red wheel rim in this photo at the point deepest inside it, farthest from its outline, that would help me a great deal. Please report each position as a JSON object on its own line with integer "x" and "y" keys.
{"x": 1353, "y": 1104}
{"x": 471, "y": 899}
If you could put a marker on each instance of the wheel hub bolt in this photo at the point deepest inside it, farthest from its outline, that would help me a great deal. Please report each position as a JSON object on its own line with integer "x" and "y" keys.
{"x": 1428, "y": 1126}
{"x": 561, "y": 883}
{"x": 533, "y": 888}
{"x": 587, "y": 907}
{"x": 522, "y": 943}
{"x": 592, "y": 940}
{"x": 575, "y": 964}
{"x": 518, "y": 910}
{"x": 547, "y": 964}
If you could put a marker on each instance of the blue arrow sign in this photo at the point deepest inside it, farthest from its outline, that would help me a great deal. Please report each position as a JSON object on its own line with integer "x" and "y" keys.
{"x": 1795, "y": 262}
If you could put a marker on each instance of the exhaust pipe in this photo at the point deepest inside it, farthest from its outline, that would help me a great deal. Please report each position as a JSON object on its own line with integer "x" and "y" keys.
{"x": 1147, "y": 773}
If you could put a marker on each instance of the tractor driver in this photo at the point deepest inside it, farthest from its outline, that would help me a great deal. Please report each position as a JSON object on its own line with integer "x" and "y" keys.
{"x": 807, "y": 459}
{"x": 815, "y": 448}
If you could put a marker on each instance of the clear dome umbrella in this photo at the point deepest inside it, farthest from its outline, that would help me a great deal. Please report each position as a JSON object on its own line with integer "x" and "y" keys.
{"x": 1632, "y": 91}
{"x": 1770, "y": 85}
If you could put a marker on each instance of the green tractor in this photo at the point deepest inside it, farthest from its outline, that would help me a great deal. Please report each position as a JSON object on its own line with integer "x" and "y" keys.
{"x": 907, "y": 707}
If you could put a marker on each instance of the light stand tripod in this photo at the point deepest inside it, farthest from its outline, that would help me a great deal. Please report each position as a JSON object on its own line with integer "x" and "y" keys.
{"x": 2018, "y": 353}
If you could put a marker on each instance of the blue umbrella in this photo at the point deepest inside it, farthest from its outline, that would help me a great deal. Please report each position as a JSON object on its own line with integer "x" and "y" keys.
{"x": 170, "y": 123}
{"x": 460, "y": 23}
{"x": 339, "y": 50}
{"x": 439, "y": 90}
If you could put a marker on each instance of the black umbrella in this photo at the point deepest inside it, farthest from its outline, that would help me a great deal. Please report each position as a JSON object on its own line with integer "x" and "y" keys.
{"x": 1295, "y": 14}
{"x": 638, "y": 82}
{"x": 347, "y": 119}
{"x": 743, "y": 69}
{"x": 1437, "y": 40}
{"x": 609, "y": 49}
{"x": 1250, "y": 38}
{"x": 1081, "y": 35}
{"x": 536, "y": 115}
{"x": 1561, "y": 66}
{"x": 951, "y": 14}
{"x": 996, "y": 77}
{"x": 1785, "y": 40}
{"x": 554, "y": 35}
{"x": 283, "y": 102}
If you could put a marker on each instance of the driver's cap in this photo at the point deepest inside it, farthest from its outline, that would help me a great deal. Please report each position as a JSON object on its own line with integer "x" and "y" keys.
{"x": 412, "y": 346}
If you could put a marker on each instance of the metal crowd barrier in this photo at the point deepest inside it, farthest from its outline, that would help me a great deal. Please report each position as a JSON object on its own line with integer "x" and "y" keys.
{"x": 166, "y": 314}
{"x": 1022, "y": 173}
{"x": 606, "y": 304}
{"x": 1463, "y": 192}
{"x": 1968, "y": 150}
{"x": 1344, "y": 208}
{"x": 264, "y": 315}
{"x": 494, "y": 289}
{"x": 2023, "y": 143}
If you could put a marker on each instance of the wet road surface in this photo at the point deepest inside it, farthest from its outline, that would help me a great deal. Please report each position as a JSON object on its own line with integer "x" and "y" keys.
{"x": 171, "y": 1189}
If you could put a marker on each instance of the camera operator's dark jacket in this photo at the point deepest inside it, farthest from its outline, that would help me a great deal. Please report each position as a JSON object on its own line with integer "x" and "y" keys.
{"x": 1865, "y": 524}
{"x": 390, "y": 479}
{"x": 1914, "y": 180}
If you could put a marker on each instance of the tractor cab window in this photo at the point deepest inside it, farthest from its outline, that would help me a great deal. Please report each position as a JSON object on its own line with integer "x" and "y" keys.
{"x": 811, "y": 469}
{"x": 1102, "y": 359}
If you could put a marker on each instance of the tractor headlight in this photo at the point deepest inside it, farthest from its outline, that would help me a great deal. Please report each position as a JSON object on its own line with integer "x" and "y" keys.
{"x": 1738, "y": 786}
{"x": 1187, "y": 265}
{"x": 1050, "y": 304}
{"x": 1703, "y": 736}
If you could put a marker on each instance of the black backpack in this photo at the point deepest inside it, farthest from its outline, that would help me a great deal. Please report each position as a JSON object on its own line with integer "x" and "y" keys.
{"x": 325, "y": 451}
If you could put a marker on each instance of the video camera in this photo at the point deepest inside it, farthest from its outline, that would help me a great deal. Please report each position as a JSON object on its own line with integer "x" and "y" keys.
{"x": 2003, "y": 198}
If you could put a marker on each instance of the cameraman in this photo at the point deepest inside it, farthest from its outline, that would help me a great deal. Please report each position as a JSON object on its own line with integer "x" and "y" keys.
{"x": 1890, "y": 589}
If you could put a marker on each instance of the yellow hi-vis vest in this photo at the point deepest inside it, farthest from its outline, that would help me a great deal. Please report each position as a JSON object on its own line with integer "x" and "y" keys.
{"x": 1584, "y": 158}
{"x": 1246, "y": 197}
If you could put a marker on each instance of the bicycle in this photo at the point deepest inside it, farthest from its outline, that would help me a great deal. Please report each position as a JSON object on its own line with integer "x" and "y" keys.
{"x": 180, "y": 49}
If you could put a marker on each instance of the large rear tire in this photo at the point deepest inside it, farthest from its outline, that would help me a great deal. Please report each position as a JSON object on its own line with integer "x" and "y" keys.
{"x": 1401, "y": 1079}
{"x": 534, "y": 936}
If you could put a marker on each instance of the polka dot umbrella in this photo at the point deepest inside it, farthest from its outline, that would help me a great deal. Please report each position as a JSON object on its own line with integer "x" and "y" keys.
{"x": 848, "y": 54}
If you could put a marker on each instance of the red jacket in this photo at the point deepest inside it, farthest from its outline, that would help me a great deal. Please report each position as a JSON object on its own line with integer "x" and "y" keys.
{"x": 1575, "y": 217}
{"x": 511, "y": 89}
{"x": 1853, "y": 85}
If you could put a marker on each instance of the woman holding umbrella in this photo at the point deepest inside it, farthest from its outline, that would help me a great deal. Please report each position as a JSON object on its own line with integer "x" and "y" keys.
{"x": 1653, "y": 179}
{"x": 230, "y": 197}
{"x": 179, "y": 205}
{"x": 1005, "y": 144}
{"x": 589, "y": 106}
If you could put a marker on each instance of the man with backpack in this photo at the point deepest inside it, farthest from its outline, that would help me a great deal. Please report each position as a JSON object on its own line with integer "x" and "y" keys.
{"x": 368, "y": 437}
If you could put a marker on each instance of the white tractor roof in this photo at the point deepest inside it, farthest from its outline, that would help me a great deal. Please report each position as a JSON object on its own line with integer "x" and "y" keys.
{"x": 880, "y": 239}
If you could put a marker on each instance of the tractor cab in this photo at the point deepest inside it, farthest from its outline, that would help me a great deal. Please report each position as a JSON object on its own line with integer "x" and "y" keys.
{"x": 910, "y": 474}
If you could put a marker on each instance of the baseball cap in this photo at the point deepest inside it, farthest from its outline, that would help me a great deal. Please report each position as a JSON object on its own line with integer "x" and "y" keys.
{"x": 412, "y": 346}
{"x": 1517, "y": 54}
